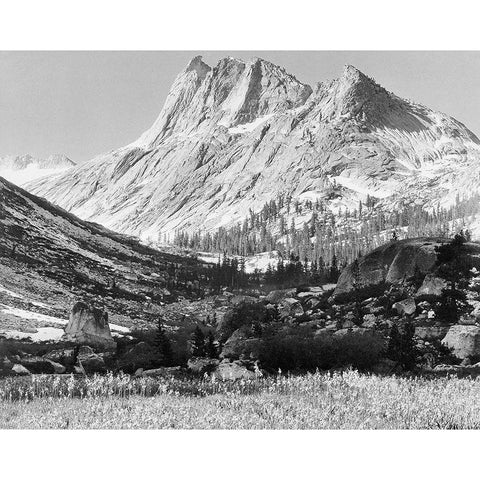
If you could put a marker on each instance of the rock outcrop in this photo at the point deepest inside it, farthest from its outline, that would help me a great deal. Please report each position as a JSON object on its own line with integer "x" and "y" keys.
{"x": 395, "y": 262}
{"x": 464, "y": 340}
{"x": 88, "y": 326}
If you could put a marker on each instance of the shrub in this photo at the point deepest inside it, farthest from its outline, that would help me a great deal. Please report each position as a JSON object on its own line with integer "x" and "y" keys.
{"x": 291, "y": 352}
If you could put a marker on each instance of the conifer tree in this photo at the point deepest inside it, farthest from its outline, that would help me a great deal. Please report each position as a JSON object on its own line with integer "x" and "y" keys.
{"x": 211, "y": 347}
{"x": 164, "y": 347}
{"x": 198, "y": 343}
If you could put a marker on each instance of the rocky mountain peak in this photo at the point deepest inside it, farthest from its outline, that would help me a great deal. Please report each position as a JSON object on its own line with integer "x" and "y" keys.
{"x": 198, "y": 66}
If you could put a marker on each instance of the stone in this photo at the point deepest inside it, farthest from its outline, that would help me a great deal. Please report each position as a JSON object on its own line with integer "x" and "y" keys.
{"x": 65, "y": 356}
{"x": 464, "y": 340}
{"x": 20, "y": 370}
{"x": 276, "y": 296}
{"x": 90, "y": 361}
{"x": 304, "y": 294}
{"x": 405, "y": 307}
{"x": 233, "y": 371}
{"x": 290, "y": 307}
{"x": 58, "y": 368}
{"x": 88, "y": 326}
{"x": 202, "y": 365}
{"x": 37, "y": 364}
{"x": 312, "y": 303}
{"x": 240, "y": 343}
{"x": 432, "y": 285}
{"x": 431, "y": 332}
{"x": 391, "y": 263}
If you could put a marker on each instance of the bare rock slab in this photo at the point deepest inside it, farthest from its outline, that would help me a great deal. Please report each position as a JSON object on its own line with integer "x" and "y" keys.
{"x": 88, "y": 326}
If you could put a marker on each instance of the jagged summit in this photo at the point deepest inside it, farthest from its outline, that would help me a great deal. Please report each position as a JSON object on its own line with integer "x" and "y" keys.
{"x": 230, "y": 138}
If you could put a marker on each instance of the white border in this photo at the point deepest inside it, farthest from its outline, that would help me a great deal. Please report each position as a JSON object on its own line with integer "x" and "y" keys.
{"x": 240, "y": 25}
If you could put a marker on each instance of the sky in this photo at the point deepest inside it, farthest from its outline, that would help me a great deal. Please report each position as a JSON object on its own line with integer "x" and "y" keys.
{"x": 82, "y": 104}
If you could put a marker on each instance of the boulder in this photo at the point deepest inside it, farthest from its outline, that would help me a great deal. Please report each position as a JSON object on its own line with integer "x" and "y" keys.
{"x": 432, "y": 285}
{"x": 405, "y": 307}
{"x": 276, "y": 296}
{"x": 202, "y": 365}
{"x": 241, "y": 343}
{"x": 312, "y": 303}
{"x": 18, "y": 369}
{"x": 392, "y": 263}
{"x": 290, "y": 307}
{"x": 88, "y": 326}
{"x": 395, "y": 262}
{"x": 58, "y": 368}
{"x": 464, "y": 340}
{"x": 233, "y": 371}
{"x": 36, "y": 364}
{"x": 90, "y": 361}
{"x": 431, "y": 332}
{"x": 65, "y": 356}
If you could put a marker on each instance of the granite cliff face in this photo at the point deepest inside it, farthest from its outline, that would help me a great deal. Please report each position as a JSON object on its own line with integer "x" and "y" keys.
{"x": 396, "y": 262}
{"x": 232, "y": 137}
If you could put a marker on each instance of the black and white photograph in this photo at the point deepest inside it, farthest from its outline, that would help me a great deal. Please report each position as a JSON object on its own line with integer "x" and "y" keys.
{"x": 239, "y": 239}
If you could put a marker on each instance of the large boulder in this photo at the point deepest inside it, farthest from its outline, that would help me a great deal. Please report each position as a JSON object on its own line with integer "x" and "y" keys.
{"x": 88, "y": 326}
{"x": 18, "y": 369}
{"x": 36, "y": 364}
{"x": 241, "y": 343}
{"x": 431, "y": 332}
{"x": 395, "y": 262}
{"x": 405, "y": 307}
{"x": 290, "y": 307}
{"x": 464, "y": 340}
{"x": 64, "y": 356}
{"x": 276, "y": 296}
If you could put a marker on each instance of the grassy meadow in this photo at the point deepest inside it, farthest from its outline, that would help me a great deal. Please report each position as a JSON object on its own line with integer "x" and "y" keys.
{"x": 347, "y": 400}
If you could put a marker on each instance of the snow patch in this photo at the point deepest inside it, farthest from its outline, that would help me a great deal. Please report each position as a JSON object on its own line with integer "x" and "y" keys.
{"x": 251, "y": 126}
{"x": 43, "y": 334}
{"x": 25, "y": 314}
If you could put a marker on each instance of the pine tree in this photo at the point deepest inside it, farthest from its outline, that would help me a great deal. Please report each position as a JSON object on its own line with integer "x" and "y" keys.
{"x": 164, "y": 347}
{"x": 198, "y": 343}
{"x": 211, "y": 347}
{"x": 402, "y": 347}
{"x": 454, "y": 266}
{"x": 357, "y": 285}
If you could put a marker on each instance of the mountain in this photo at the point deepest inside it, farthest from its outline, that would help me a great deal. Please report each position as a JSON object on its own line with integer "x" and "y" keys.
{"x": 21, "y": 169}
{"x": 233, "y": 137}
{"x": 49, "y": 259}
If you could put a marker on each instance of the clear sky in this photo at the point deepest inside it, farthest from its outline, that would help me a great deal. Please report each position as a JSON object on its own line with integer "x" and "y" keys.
{"x": 86, "y": 103}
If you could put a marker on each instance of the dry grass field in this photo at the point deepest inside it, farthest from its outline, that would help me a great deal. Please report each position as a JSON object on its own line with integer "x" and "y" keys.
{"x": 348, "y": 400}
